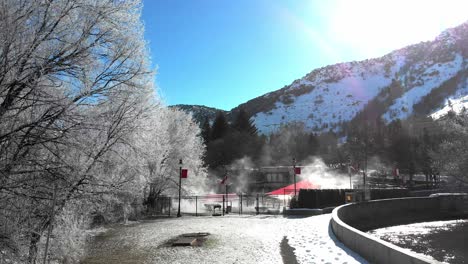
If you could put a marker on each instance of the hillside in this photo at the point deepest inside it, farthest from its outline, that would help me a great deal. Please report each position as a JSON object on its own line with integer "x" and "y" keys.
{"x": 200, "y": 112}
{"x": 421, "y": 79}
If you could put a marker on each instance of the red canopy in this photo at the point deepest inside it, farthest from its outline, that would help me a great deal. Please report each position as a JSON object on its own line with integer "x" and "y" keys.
{"x": 288, "y": 190}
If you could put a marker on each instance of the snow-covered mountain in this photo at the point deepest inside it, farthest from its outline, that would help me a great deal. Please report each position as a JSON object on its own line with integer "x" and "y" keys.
{"x": 421, "y": 79}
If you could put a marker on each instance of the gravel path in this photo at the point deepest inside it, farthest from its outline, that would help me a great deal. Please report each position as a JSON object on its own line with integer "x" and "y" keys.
{"x": 233, "y": 239}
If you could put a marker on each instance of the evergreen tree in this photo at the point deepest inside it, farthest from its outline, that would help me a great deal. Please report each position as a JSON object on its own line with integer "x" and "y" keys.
{"x": 424, "y": 158}
{"x": 206, "y": 131}
{"x": 220, "y": 127}
{"x": 451, "y": 154}
{"x": 312, "y": 144}
{"x": 243, "y": 123}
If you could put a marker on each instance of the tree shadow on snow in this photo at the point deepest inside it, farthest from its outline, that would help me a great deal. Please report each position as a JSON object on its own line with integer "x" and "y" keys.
{"x": 348, "y": 251}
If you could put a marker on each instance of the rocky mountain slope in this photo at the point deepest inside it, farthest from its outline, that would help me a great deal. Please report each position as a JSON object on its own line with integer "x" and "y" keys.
{"x": 422, "y": 79}
{"x": 200, "y": 112}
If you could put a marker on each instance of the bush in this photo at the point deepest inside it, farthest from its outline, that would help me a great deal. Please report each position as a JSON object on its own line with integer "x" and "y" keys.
{"x": 68, "y": 239}
{"x": 294, "y": 203}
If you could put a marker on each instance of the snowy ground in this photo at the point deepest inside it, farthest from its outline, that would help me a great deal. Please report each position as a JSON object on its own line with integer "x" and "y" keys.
{"x": 233, "y": 239}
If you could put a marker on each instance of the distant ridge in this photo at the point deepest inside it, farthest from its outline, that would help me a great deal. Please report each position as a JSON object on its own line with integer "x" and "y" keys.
{"x": 420, "y": 79}
{"x": 200, "y": 112}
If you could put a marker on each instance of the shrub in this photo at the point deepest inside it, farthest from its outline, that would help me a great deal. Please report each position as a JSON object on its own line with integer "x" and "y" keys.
{"x": 294, "y": 203}
{"x": 68, "y": 239}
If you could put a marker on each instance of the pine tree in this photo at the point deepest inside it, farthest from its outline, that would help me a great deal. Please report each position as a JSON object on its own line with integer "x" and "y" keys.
{"x": 312, "y": 144}
{"x": 244, "y": 124}
{"x": 220, "y": 127}
{"x": 206, "y": 131}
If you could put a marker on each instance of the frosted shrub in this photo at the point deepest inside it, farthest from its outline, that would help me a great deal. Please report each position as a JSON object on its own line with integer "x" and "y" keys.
{"x": 67, "y": 243}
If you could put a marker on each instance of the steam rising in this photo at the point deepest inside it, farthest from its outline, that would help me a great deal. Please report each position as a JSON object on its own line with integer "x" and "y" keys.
{"x": 242, "y": 168}
{"x": 317, "y": 172}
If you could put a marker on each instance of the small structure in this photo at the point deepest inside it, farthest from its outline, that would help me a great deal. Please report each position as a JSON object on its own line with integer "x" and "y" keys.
{"x": 189, "y": 240}
{"x": 218, "y": 213}
{"x": 184, "y": 242}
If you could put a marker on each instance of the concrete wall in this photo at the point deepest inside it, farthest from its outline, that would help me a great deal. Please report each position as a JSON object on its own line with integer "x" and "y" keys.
{"x": 349, "y": 222}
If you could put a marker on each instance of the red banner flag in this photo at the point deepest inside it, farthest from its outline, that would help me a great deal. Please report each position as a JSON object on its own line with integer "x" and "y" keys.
{"x": 223, "y": 181}
{"x": 184, "y": 173}
{"x": 297, "y": 170}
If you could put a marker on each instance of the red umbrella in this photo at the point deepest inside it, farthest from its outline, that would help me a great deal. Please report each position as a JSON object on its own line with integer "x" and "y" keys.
{"x": 288, "y": 190}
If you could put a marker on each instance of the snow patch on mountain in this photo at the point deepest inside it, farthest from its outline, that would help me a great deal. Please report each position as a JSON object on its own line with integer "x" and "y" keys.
{"x": 456, "y": 105}
{"x": 414, "y": 80}
{"x": 338, "y": 93}
{"x": 431, "y": 78}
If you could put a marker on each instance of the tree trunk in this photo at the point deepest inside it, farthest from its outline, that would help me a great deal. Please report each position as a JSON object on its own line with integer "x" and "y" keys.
{"x": 35, "y": 237}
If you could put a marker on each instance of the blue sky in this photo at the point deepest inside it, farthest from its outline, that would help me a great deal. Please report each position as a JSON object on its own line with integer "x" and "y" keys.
{"x": 222, "y": 53}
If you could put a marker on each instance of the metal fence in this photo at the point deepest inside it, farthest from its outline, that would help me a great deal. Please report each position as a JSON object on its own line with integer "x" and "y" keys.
{"x": 210, "y": 204}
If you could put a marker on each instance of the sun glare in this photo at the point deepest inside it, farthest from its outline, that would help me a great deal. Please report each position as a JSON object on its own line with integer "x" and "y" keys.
{"x": 368, "y": 24}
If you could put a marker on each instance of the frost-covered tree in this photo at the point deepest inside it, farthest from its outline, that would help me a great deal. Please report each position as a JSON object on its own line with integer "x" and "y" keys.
{"x": 81, "y": 132}
{"x": 167, "y": 136}
{"x": 74, "y": 81}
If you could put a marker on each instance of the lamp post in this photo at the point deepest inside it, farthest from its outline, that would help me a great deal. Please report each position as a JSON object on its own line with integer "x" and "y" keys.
{"x": 349, "y": 173}
{"x": 225, "y": 180}
{"x": 180, "y": 185}
{"x": 227, "y": 204}
{"x": 294, "y": 171}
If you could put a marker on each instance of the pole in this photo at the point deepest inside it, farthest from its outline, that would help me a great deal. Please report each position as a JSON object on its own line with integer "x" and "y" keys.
{"x": 284, "y": 197}
{"x": 51, "y": 220}
{"x": 242, "y": 201}
{"x": 258, "y": 208}
{"x": 365, "y": 157}
{"x": 196, "y": 206}
{"x": 223, "y": 205}
{"x": 349, "y": 173}
{"x": 180, "y": 185}
{"x": 294, "y": 170}
{"x": 364, "y": 172}
{"x": 227, "y": 205}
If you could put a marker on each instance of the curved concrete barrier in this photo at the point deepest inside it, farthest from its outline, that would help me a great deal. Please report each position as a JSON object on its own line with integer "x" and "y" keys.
{"x": 349, "y": 223}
